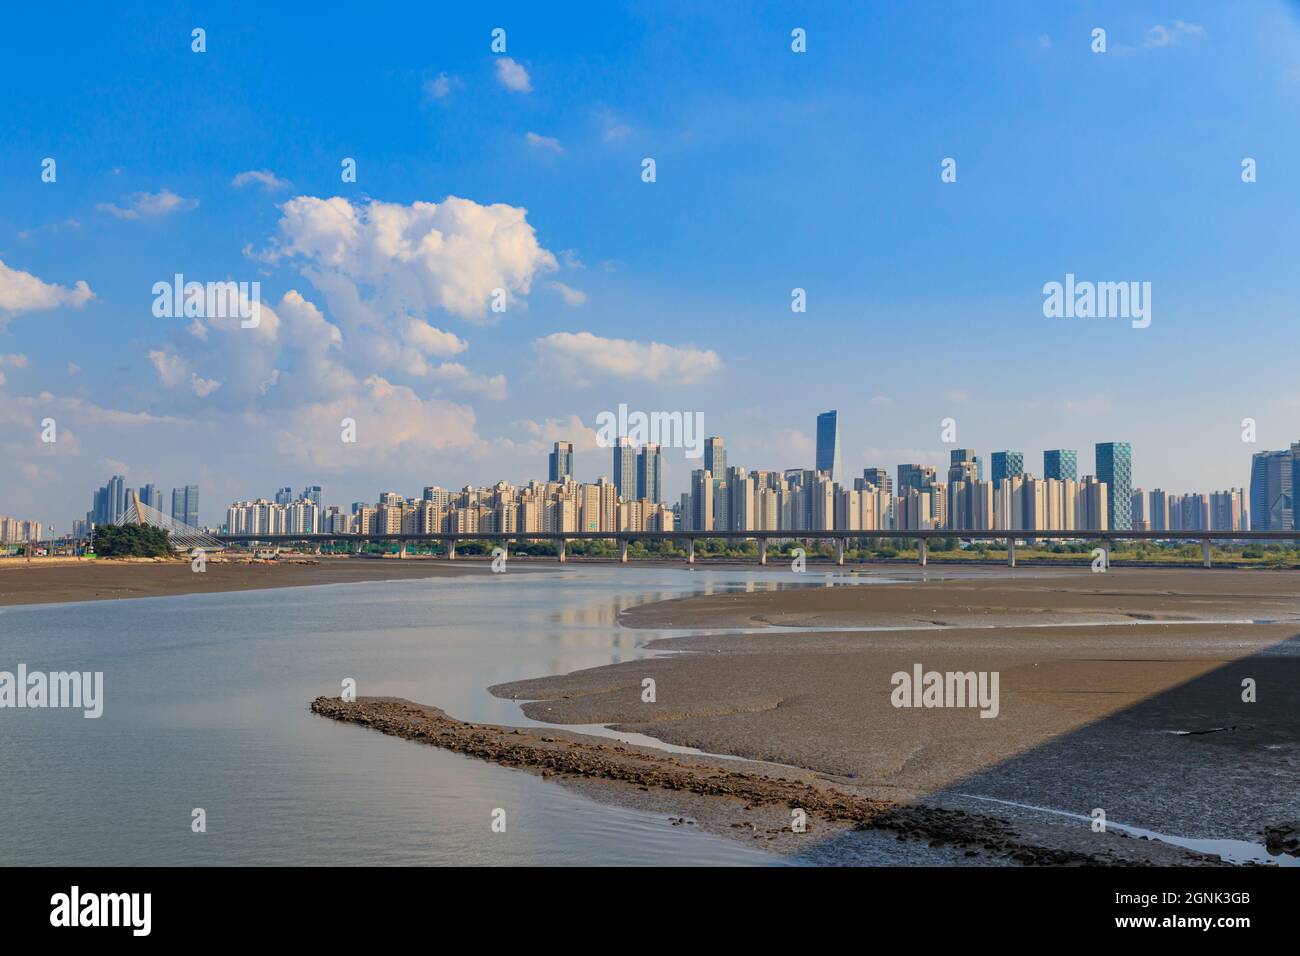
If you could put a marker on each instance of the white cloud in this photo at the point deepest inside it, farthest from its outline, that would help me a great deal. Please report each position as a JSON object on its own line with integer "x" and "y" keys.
{"x": 263, "y": 177}
{"x": 570, "y": 295}
{"x": 543, "y": 435}
{"x": 1162, "y": 36}
{"x": 957, "y": 395}
{"x": 14, "y": 360}
{"x": 457, "y": 376}
{"x": 171, "y": 369}
{"x": 582, "y": 356}
{"x": 513, "y": 76}
{"x": 23, "y": 292}
{"x": 203, "y": 387}
{"x": 391, "y": 421}
{"x": 440, "y": 86}
{"x": 376, "y": 261}
{"x": 543, "y": 142}
{"x": 150, "y": 205}
{"x": 433, "y": 341}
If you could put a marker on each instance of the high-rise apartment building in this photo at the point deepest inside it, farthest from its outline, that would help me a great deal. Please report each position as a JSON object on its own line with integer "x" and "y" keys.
{"x": 963, "y": 465}
{"x": 918, "y": 477}
{"x": 1158, "y": 509}
{"x": 1115, "y": 468}
{"x": 828, "y": 445}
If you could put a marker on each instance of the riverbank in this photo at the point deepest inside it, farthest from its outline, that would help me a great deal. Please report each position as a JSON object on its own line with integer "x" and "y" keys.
{"x": 743, "y": 799}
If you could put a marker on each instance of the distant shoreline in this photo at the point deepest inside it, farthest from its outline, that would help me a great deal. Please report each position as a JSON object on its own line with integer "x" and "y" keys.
{"x": 60, "y": 581}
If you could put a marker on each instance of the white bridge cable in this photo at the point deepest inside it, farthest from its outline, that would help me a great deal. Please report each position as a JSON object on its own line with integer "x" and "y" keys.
{"x": 184, "y": 537}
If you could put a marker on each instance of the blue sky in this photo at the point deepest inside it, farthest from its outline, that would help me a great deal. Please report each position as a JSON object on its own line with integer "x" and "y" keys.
{"x": 775, "y": 170}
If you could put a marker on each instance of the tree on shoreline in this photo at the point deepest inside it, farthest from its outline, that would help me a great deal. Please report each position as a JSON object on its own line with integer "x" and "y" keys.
{"x": 131, "y": 541}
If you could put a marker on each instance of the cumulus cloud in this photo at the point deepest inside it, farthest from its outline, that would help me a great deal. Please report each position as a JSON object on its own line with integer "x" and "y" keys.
{"x": 544, "y": 434}
{"x": 262, "y": 177}
{"x": 513, "y": 76}
{"x": 433, "y": 341}
{"x": 582, "y": 356}
{"x": 457, "y": 376}
{"x": 543, "y": 142}
{"x": 23, "y": 292}
{"x": 150, "y": 205}
{"x": 391, "y": 421}
{"x": 377, "y": 260}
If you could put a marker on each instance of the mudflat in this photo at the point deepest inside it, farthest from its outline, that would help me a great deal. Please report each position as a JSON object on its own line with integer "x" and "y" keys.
{"x": 1169, "y": 699}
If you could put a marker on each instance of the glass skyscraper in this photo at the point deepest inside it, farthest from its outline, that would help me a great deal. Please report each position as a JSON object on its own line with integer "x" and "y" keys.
{"x": 1061, "y": 464}
{"x": 625, "y": 469}
{"x": 650, "y": 472}
{"x": 561, "y": 461}
{"x": 1273, "y": 490}
{"x": 715, "y": 458}
{"x": 185, "y": 505}
{"x": 1115, "y": 467}
{"x": 828, "y": 445}
{"x": 1007, "y": 464}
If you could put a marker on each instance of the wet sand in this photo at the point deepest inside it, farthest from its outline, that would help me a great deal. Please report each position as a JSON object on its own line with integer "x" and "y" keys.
{"x": 1139, "y": 712}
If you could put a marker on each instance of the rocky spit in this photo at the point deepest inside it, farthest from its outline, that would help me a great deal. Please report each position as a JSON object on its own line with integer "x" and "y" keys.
{"x": 752, "y": 795}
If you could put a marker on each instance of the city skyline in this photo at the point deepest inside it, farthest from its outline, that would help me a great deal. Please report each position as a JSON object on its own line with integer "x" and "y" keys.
{"x": 636, "y": 474}
{"x": 610, "y": 298}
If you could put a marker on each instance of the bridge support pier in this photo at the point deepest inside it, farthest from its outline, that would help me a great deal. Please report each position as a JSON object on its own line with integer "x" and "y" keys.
{"x": 762, "y": 550}
{"x": 451, "y": 551}
{"x": 690, "y": 550}
{"x": 622, "y": 551}
{"x": 1105, "y": 555}
{"x": 561, "y": 550}
{"x": 921, "y": 552}
{"x": 355, "y": 547}
{"x": 1205, "y": 552}
{"x": 1011, "y": 552}
{"x": 839, "y": 551}
{"x": 402, "y": 551}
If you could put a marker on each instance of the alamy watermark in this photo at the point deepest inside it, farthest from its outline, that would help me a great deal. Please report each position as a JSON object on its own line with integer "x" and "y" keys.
{"x": 666, "y": 429}
{"x": 38, "y": 689}
{"x": 1098, "y": 300}
{"x": 946, "y": 689}
{"x": 212, "y": 300}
